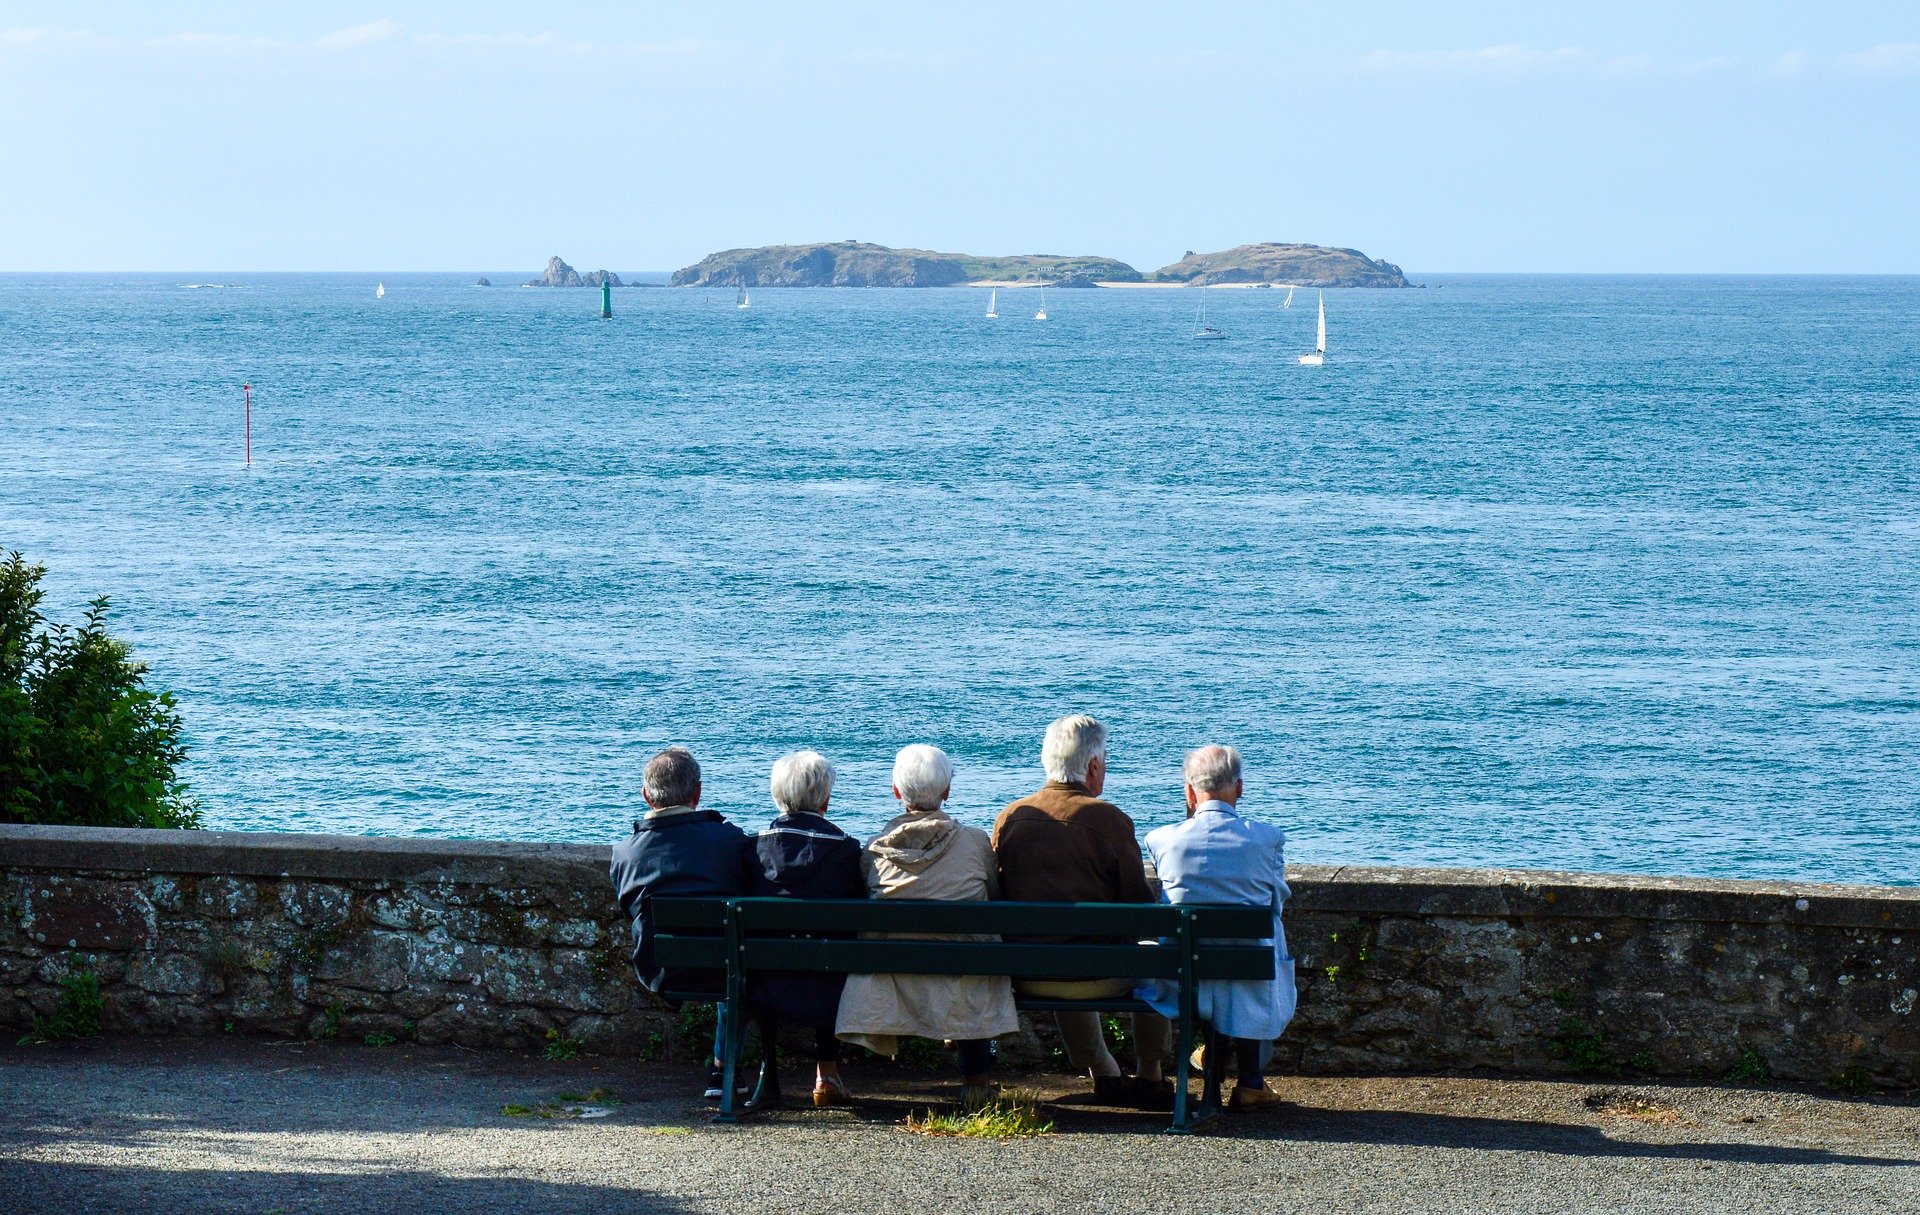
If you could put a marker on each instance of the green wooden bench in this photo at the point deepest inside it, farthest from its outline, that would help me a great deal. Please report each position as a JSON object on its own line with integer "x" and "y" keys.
{"x": 736, "y": 936}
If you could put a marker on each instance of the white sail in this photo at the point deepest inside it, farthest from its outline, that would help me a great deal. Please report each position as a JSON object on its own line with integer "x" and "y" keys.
{"x": 993, "y": 303}
{"x": 380, "y": 292}
{"x": 1319, "y": 355}
{"x": 1289, "y": 302}
{"x": 744, "y": 299}
{"x": 1042, "y": 314}
{"x": 1203, "y": 332}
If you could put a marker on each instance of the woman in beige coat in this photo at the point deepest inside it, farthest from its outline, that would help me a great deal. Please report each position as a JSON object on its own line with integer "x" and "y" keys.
{"x": 923, "y": 854}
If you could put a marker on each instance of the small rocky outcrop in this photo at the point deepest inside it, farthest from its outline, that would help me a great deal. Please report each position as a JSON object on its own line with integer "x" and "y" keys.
{"x": 483, "y": 281}
{"x": 1283, "y": 265}
{"x": 559, "y": 274}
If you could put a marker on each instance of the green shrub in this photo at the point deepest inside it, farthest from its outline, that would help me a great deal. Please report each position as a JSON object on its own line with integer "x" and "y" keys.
{"x": 78, "y": 1013}
{"x": 82, "y": 739}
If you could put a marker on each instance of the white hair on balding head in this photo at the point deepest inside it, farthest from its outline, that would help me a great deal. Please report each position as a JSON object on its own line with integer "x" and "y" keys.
{"x": 802, "y": 782}
{"x": 1071, "y": 746}
{"x": 1212, "y": 768}
{"x": 924, "y": 776}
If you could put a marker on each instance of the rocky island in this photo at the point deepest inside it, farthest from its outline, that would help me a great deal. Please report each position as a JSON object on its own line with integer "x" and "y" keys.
{"x": 859, "y": 264}
{"x": 559, "y": 274}
{"x": 851, "y": 263}
{"x": 1283, "y": 265}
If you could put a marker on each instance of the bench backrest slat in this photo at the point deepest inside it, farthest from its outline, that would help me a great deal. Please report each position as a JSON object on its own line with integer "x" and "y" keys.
{"x": 1122, "y": 920}
{"x": 1074, "y": 961}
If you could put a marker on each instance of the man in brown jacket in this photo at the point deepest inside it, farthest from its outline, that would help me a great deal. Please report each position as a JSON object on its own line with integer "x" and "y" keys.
{"x": 1065, "y": 845}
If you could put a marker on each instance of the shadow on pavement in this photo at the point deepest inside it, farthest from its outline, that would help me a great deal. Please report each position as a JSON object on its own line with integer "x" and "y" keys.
{"x": 37, "y": 1188}
{"x": 1298, "y": 1124}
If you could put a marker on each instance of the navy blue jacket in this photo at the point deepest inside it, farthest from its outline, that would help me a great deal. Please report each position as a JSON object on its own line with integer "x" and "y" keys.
{"x": 803, "y": 856}
{"x": 685, "y": 852}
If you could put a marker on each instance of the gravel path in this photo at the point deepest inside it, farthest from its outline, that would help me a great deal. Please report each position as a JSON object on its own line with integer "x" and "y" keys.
{"x": 150, "y": 1127}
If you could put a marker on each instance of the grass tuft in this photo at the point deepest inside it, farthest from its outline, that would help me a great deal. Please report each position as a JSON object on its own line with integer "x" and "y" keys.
{"x": 594, "y": 1103}
{"x": 1635, "y": 1107}
{"x": 1749, "y": 1067}
{"x": 1008, "y": 1116}
{"x": 1853, "y": 1079}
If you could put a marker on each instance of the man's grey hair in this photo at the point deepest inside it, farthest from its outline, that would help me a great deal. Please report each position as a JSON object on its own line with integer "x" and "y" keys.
{"x": 923, "y": 774}
{"x": 802, "y": 782}
{"x": 672, "y": 778}
{"x": 1212, "y": 768}
{"x": 1071, "y": 746}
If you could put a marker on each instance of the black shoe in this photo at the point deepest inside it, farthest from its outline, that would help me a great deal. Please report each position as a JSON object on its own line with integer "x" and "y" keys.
{"x": 716, "y": 1084}
{"x": 1153, "y": 1094}
{"x": 1133, "y": 1093}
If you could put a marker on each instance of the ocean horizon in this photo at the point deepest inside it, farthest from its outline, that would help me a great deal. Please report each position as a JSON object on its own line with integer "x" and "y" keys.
{"x": 1594, "y": 572}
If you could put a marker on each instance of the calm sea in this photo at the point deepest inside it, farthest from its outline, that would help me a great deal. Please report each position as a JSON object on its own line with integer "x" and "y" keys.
{"x": 1595, "y": 573}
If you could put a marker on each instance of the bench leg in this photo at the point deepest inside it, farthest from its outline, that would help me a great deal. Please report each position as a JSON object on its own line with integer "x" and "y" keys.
{"x": 1216, "y": 1072}
{"x": 766, "y": 1089}
{"x": 1183, "y": 1121}
{"x": 729, "y": 1011}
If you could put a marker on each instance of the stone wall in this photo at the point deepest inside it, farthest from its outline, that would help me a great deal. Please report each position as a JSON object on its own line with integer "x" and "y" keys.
{"x": 501, "y": 945}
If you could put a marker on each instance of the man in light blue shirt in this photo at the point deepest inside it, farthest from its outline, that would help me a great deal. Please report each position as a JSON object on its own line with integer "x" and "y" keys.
{"x": 1216, "y": 856}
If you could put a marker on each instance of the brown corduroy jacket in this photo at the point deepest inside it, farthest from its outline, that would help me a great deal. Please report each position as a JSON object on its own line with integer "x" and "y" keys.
{"x": 1064, "y": 845}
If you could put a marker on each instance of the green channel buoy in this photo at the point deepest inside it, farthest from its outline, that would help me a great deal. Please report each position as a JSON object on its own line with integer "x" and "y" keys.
{"x": 606, "y": 299}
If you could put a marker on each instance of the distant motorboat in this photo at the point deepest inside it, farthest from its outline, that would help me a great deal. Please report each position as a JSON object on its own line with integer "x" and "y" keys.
{"x": 1319, "y": 355}
{"x": 1289, "y": 302}
{"x": 1042, "y": 314}
{"x": 993, "y": 304}
{"x": 1204, "y": 332}
{"x": 743, "y": 300}
{"x": 380, "y": 292}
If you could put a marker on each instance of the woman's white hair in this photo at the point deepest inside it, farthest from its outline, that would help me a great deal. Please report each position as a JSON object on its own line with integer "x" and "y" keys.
{"x": 1071, "y": 746}
{"x": 924, "y": 776}
{"x": 1212, "y": 768}
{"x": 802, "y": 782}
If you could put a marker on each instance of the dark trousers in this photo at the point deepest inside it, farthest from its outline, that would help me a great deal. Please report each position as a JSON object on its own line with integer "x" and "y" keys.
{"x": 976, "y": 1056}
{"x": 826, "y": 1047}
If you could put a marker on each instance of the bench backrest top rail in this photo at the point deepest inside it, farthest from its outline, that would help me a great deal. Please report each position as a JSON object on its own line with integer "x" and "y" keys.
{"x": 1112, "y": 920}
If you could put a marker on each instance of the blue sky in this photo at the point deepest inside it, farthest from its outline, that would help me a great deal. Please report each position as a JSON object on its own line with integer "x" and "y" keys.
{"x": 1490, "y": 137}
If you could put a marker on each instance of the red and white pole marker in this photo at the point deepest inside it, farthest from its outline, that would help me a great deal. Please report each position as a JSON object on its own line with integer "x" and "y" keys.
{"x": 248, "y": 389}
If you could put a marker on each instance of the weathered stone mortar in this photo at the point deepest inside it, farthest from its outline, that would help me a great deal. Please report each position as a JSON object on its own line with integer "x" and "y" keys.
{"x": 497, "y": 944}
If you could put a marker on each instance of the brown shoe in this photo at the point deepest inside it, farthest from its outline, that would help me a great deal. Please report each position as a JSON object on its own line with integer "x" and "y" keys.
{"x": 1245, "y": 1098}
{"x": 831, "y": 1093}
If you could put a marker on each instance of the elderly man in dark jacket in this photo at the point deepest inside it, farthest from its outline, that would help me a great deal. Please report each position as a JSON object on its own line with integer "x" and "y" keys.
{"x": 681, "y": 850}
{"x": 803, "y": 856}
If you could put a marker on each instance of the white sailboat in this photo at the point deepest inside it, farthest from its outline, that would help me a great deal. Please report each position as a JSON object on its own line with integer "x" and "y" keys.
{"x": 993, "y": 304}
{"x": 743, "y": 301}
{"x": 1042, "y": 314}
{"x": 1205, "y": 332}
{"x": 1319, "y": 355}
{"x": 1289, "y": 302}
{"x": 380, "y": 291}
